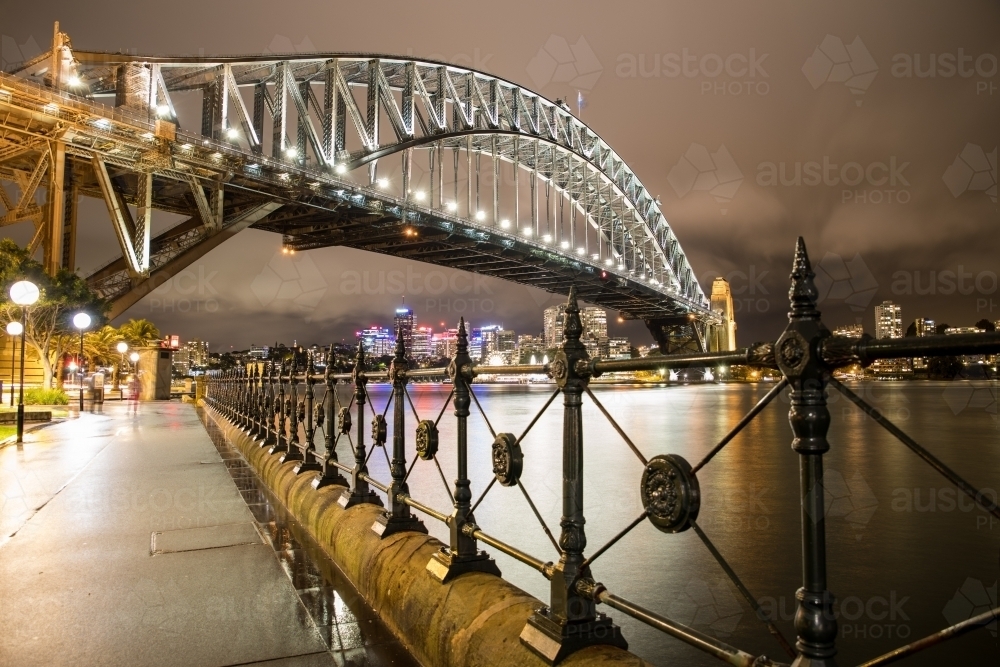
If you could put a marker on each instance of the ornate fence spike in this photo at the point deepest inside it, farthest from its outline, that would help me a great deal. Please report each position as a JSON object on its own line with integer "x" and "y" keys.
{"x": 571, "y": 622}
{"x": 330, "y": 473}
{"x": 397, "y": 517}
{"x": 359, "y": 492}
{"x": 462, "y": 553}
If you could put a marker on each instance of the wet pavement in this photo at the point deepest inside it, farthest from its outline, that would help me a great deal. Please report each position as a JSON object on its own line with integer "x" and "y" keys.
{"x": 147, "y": 541}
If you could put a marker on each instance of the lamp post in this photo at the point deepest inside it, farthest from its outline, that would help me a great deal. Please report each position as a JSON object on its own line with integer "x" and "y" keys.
{"x": 23, "y": 293}
{"x": 81, "y": 321}
{"x": 122, "y": 348}
{"x": 14, "y": 330}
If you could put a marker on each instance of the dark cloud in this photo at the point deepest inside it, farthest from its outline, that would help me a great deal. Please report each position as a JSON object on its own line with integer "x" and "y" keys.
{"x": 782, "y": 88}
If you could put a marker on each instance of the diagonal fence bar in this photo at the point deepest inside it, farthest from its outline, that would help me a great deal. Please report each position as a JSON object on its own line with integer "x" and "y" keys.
{"x": 977, "y": 496}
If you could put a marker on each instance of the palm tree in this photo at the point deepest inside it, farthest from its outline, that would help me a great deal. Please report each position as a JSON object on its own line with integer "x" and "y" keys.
{"x": 139, "y": 333}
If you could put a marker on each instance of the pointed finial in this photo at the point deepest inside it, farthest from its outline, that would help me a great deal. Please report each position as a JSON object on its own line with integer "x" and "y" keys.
{"x": 400, "y": 346}
{"x": 573, "y": 327}
{"x": 463, "y": 338}
{"x": 802, "y": 294}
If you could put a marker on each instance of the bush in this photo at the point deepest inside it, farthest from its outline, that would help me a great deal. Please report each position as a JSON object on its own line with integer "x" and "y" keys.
{"x": 37, "y": 396}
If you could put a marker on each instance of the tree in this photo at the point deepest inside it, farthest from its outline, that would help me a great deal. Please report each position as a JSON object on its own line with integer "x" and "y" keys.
{"x": 139, "y": 333}
{"x": 48, "y": 325}
{"x": 941, "y": 329}
{"x": 985, "y": 325}
{"x": 911, "y": 330}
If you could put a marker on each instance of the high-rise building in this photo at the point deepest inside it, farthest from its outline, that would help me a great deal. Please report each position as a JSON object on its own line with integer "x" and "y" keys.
{"x": 553, "y": 322}
{"x": 723, "y": 336}
{"x": 445, "y": 343}
{"x": 888, "y": 320}
{"x": 593, "y": 319}
{"x": 403, "y": 324}
{"x": 422, "y": 346}
{"x": 497, "y": 341}
{"x": 619, "y": 348}
{"x": 476, "y": 343}
{"x": 530, "y": 347}
{"x": 924, "y": 327}
{"x": 258, "y": 351}
{"x": 378, "y": 341}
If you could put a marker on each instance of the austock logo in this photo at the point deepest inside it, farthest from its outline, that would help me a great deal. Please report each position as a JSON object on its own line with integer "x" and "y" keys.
{"x": 291, "y": 280}
{"x": 699, "y": 170}
{"x": 974, "y": 170}
{"x": 833, "y": 61}
{"x": 851, "y": 282}
{"x": 12, "y": 53}
{"x": 712, "y": 607}
{"x": 558, "y": 61}
{"x": 971, "y": 599}
{"x": 851, "y": 499}
{"x": 962, "y": 396}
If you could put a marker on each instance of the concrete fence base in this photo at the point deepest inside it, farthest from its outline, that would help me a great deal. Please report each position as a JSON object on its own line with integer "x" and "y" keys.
{"x": 474, "y": 620}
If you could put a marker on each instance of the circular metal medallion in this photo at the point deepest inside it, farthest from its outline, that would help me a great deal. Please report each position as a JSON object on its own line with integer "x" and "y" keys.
{"x": 507, "y": 459}
{"x": 427, "y": 439}
{"x": 344, "y": 421}
{"x": 670, "y": 493}
{"x": 379, "y": 430}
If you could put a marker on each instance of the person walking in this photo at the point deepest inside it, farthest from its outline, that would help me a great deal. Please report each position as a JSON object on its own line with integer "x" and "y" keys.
{"x": 133, "y": 394}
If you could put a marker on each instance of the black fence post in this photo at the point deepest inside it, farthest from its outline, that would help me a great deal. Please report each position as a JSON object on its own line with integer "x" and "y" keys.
{"x": 309, "y": 461}
{"x": 398, "y": 517}
{"x": 293, "y": 451}
{"x": 462, "y": 555}
{"x": 797, "y": 354}
{"x": 281, "y": 440}
{"x": 359, "y": 492}
{"x": 330, "y": 471}
{"x": 571, "y": 622}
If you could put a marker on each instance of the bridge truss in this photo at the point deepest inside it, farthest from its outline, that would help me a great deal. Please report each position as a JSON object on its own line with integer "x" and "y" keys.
{"x": 477, "y": 173}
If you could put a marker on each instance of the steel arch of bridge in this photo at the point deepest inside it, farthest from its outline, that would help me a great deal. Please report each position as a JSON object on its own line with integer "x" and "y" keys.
{"x": 228, "y": 176}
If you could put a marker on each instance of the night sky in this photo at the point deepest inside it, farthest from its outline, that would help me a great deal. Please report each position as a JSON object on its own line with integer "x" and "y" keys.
{"x": 871, "y": 129}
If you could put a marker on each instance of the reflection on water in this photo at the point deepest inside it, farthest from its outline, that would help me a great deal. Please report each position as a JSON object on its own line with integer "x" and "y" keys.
{"x": 901, "y": 543}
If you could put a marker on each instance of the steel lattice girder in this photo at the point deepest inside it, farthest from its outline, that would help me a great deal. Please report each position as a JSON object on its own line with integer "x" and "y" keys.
{"x": 488, "y": 115}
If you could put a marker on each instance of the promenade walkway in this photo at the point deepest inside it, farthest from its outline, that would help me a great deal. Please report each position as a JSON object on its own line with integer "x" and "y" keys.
{"x": 127, "y": 541}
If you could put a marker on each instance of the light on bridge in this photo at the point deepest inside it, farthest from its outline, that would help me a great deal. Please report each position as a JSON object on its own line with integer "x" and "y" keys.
{"x": 608, "y": 262}
{"x": 232, "y": 133}
{"x": 383, "y": 183}
{"x": 480, "y": 215}
{"x": 292, "y": 153}
{"x": 162, "y": 111}
{"x": 564, "y": 245}
{"x": 74, "y": 81}
{"x": 451, "y": 206}
{"x": 580, "y": 251}
{"x": 527, "y": 231}
{"x": 419, "y": 195}
{"x": 547, "y": 238}
{"x": 340, "y": 169}
{"x": 505, "y": 223}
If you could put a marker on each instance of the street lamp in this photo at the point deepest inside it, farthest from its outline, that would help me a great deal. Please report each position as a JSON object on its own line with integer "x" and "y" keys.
{"x": 23, "y": 293}
{"x": 14, "y": 330}
{"x": 81, "y": 321}
{"x": 122, "y": 348}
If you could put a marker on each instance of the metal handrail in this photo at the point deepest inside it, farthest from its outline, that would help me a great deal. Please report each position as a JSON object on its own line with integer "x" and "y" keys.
{"x": 806, "y": 355}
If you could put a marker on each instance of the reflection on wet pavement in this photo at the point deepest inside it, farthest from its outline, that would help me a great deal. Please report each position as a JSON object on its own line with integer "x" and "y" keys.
{"x": 351, "y": 629}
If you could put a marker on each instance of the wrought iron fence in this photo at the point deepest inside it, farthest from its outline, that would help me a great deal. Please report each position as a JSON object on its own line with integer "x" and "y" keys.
{"x": 265, "y": 402}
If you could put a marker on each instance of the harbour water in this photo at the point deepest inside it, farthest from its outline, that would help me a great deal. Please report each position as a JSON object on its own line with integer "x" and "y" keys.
{"x": 907, "y": 554}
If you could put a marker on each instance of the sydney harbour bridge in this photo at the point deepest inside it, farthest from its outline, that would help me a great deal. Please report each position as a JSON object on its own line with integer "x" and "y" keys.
{"x": 417, "y": 159}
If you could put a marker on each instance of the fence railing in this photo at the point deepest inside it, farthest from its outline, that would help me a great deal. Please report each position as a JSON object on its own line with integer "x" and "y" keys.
{"x": 271, "y": 402}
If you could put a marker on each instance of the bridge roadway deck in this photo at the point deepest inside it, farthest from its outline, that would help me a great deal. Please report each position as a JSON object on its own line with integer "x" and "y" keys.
{"x": 84, "y": 505}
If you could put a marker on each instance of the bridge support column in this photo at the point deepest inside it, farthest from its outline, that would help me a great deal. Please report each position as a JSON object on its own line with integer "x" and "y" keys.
{"x": 796, "y": 354}
{"x": 462, "y": 555}
{"x": 55, "y": 210}
{"x": 398, "y": 517}
{"x": 571, "y": 622}
{"x": 359, "y": 492}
